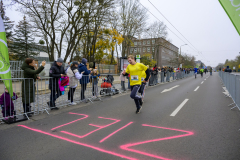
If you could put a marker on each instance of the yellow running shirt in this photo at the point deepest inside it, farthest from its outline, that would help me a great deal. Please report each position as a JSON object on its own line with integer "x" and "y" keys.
{"x": 135, "y": 72}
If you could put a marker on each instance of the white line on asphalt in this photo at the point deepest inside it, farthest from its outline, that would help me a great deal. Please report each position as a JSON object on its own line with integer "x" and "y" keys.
{"x": 167, "y": 90}
{"x": 179, "y": 107}
{"x": 202, "y": 82}
{"x": 196, "y": 89}
{"x": 205, "y": 79}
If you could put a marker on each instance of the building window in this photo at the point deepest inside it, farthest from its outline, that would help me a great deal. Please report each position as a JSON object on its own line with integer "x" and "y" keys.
{"x": 153, "y": 49}
{"x": 144, "y": 42}
{"x": 139, "y": 43}
{"x": 135, "y": 43}
{"x": 131, "y": 50}
{"x": 144, "y": 49}
{"x": 139, "y": 50}
{"x": 148, "y": 42}
{"x": 148, "y": 49}
{"x": 135, "y": 50}
{"x": 153, "y": 41}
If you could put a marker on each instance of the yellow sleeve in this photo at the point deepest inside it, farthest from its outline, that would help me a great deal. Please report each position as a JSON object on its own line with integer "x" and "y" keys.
{"x": 127, "y": 70}
{"x": 144, "y": 68}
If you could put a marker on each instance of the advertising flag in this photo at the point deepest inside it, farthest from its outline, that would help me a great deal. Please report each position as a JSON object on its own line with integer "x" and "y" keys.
{"x": 5, "y": 72}
{"x": 232, "y": 8}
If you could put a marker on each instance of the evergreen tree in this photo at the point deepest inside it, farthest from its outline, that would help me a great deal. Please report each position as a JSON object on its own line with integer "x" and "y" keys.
{"x": 7, "y": 23}
{"x": 23, "y": 42}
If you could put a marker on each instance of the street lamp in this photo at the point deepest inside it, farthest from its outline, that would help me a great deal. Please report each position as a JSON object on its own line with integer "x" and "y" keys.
{"x": 180, "y": 50}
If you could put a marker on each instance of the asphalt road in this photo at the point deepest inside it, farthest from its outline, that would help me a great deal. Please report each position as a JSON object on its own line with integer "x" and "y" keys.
{"x": 182, "y": 120}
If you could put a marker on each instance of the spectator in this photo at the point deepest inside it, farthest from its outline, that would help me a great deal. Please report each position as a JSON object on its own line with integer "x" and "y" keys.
{"x": 94, "y": 78}
{"x": 56, "y": 72}
{"x": 85, "y": 79}
{"x": 211, "y": 71}
{"x": 228, "y": 70}
{"x": 122, "y": 79}
{"x": 28, "y": 85}
{"x": 69, "y": 65}
{"x": 74, "y": 77}
{"x": 7, "y": 106}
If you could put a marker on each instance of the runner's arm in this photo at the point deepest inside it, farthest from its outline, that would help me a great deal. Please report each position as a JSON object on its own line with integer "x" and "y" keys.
{"x": 147, "y": 75}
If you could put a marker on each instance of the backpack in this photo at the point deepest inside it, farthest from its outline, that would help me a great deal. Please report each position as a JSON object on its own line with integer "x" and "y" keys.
{"x": 65, "y": 81}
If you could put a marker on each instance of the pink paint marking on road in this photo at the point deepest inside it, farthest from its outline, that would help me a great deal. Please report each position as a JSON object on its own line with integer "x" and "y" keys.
{"x": 99, "y": 128}
{"x": 126, "y": 146}
{"x": 115, "y": 132}
{"x": 85, "y": 116}
{"x": 78, "y": 143}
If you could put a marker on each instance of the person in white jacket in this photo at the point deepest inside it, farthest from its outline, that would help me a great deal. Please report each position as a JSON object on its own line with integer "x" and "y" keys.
{"x": 74, "y": 77}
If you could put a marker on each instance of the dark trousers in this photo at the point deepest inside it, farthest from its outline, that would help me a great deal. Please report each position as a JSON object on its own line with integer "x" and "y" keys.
{"x": 202, "y": 74}
{"x": 83, "y": 89}
{"x": 133, "y": 95}
{"x": 71, "y": 94}
{"x": 26, "y": 107}
{"x": 53, "y": 96}
{"x": 123, "y": 85}
{"x": 6, "y": 112}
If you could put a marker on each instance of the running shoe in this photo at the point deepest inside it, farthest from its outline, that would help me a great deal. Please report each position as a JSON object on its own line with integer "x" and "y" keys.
{"x": 138, "y": 110}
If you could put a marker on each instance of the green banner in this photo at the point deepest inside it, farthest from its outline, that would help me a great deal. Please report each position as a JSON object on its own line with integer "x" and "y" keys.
{"x": 5, "y": 72}
{"x": 232, "y": 8}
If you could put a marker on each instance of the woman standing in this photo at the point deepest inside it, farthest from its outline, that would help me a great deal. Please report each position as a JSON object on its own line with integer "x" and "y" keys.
{"x": 74, "y": 77}
{"x": 28, "y": 85}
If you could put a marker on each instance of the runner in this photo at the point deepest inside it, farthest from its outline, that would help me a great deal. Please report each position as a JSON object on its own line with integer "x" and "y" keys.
{"x": 201, "y": 71}
{"x": 195, "y": 71}
{"x": 135, "y": 70}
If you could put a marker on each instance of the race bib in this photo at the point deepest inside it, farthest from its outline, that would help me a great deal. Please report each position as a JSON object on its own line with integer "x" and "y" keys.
{"x": 134, "y": 78}
{"x": 142, "y": 79}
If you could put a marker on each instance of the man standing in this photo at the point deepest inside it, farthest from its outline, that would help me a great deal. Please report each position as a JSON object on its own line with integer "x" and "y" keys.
{"x": 56, "y": 72}
{"x": 228, "y": 70}
{"x": 135, "y": 70}
{"x": 82, "y": 68}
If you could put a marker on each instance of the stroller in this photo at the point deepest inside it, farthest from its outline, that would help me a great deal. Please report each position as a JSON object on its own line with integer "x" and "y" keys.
{"x": 108, "y": 87}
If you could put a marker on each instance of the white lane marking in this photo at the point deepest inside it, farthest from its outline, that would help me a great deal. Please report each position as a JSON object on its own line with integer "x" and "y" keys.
{"x": 167, "y": 90}
{"x": 205, "y": 79}
{"x": 179, "y": 107}
{"x": 196, "y": 89}
{"x": 202, "y": 82}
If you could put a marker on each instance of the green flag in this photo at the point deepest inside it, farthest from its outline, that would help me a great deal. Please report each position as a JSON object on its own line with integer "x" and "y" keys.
{"x": 5, "y": 72}
{"x": 232, "y": 8}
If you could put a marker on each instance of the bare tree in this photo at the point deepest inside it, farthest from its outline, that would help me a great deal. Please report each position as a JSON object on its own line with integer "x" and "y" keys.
{"x": 132, "y": 22}
{"x": 62, "y": 23}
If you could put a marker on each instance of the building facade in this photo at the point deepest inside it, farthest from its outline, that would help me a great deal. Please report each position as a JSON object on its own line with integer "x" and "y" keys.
{"x": 164, "y": 52}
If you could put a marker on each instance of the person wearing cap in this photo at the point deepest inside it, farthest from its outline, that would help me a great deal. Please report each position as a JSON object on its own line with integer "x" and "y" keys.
{"x": 56, "y": 72}
{"x": 74, "y": 77}
{"x": 82, "y": 68}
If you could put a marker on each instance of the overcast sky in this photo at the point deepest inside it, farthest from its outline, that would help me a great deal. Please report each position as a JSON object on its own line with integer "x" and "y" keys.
{"x": 203, "y": 23}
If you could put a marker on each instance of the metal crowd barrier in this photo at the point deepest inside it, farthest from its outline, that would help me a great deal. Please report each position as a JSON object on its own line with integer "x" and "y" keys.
{"x": 160, "y": 77}
{"x": 232, "y": 84}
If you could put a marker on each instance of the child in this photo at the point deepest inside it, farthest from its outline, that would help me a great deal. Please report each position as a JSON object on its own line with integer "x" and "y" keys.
{"x": 122, "y": 79}
{"x": 7, "y": 105}
{"x": 74, "y": 77}
{"x": 94, "y": 78}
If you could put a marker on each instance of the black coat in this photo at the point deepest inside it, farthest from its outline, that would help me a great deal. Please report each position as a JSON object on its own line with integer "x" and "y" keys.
{"x": 28, "y": 85}
{"x": 55, "y": 72}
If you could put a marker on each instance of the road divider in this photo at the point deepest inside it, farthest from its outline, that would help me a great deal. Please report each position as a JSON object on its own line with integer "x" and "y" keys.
{"x": 196, "y": 89}
{"x": 179, "y": 108}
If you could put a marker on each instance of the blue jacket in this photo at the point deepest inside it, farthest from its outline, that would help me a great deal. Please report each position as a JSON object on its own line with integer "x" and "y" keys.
{"x": 85, "y": 77}
{"x": 95, "y": 78}
{"x": 195, "y": 70}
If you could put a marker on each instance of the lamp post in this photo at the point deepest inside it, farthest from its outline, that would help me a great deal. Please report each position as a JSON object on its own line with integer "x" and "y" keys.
{"x": 181, "y": 51}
